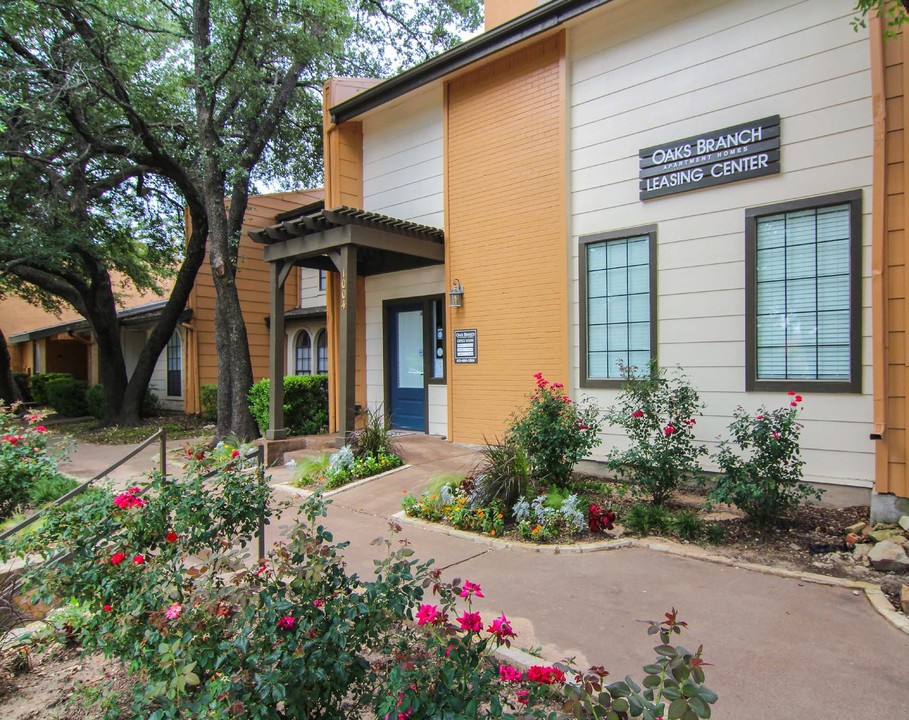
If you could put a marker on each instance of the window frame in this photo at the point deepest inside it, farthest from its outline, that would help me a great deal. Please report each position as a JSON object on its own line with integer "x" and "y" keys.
{"x": 303, "y": 333}
{"x": 320, "y": 334}
{"x": 853, "y": 198}
{"x": 173, "y": 352}
{"x": 651, "y": 232}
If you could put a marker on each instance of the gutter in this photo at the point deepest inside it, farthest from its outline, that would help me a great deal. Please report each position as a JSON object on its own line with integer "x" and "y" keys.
{"x": 537, "y": 21}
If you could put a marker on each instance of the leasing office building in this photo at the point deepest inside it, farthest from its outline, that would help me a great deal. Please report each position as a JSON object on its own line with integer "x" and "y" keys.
{"x": 717, "y": 184}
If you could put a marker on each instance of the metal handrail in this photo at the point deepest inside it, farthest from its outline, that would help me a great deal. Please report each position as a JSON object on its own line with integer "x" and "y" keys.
{"x": 160, "y": 435}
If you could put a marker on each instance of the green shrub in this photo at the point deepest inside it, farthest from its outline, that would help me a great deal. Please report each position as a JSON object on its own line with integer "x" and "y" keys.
{"x": 305, "y": 404}
{"x": 688, "y": 525}
{"x": 762, "y": 476}
{"x": 644, "y": 519}
{"x": 67, "y": 396}
{"x": 714, "y": 533}
{"x": 48, "y": 488}
{"x": 208, "y": 399}
{"x": 501, "y": 475}
{"x": 555, "y": 432}
{"x": 38, "y": 384}
{"x": 21, "y": 380}
{"x": 658, "y": 412}
{"x": 374, "y": 436}
{"x": 311, "y": 470}
{"x": 94, "y": 401}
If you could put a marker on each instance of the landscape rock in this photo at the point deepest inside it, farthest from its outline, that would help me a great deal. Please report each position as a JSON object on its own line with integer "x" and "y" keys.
{"x": 886, "y": 526}
{"x": 883, "y": 535}
{"x": 860, "y": 552}
{"x": 904, "y": 522}
{"x": 904, "y": 599}
{"x": 857, "y": 528}
{"x": 891, "y": 585}
{"x": 887, "y": 556}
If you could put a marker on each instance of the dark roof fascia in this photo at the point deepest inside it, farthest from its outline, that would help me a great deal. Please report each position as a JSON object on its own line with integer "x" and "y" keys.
{"x": 309, "y": 209}
{"x": 539, "y": 20}
{"x": 47, "y": 331}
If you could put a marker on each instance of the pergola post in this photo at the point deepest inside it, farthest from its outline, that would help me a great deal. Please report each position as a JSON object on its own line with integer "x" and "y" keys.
{"x": 278, "y": 272}
{"x": 347, "y": 365}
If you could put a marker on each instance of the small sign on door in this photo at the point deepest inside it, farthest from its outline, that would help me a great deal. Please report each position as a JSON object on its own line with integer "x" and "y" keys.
{"x": 465, "y": 342}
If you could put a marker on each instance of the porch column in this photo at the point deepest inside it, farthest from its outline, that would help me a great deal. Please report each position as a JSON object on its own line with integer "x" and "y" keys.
{"x": 347, "y": 347}
{"x": 278, "y": 272}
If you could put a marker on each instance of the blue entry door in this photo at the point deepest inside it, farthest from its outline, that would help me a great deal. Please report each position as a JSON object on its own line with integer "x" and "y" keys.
{"x": 407, "y": 388}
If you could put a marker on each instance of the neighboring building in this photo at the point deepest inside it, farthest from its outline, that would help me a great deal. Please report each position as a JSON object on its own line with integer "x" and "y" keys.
{"x": 713, "y": 183}
{"x": 42, "y": 342}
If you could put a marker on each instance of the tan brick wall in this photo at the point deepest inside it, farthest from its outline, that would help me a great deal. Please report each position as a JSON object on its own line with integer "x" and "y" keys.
{"x": 506, "y": 232}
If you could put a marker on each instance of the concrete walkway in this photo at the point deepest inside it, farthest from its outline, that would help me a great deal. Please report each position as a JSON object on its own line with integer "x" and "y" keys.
{"x": 781, "y": 648}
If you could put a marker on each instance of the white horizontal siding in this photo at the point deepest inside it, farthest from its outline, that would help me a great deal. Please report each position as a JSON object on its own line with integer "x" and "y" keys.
{"x": 640, "y": 78}
{"x": 402, "y": 160}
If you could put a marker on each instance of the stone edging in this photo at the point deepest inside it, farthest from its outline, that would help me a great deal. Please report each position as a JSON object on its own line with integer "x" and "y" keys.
{"x": 873, "y": 592}
{"x": 350, "y": 486}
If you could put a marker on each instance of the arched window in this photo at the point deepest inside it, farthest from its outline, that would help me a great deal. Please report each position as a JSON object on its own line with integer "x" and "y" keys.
{"x": 322, "y": 353}
{"x": 303, "y": 354}
{"x": 174, "y": 366}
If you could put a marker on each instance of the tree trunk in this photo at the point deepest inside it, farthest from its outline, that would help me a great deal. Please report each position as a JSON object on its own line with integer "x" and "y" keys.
{"x": 9, "y": 391}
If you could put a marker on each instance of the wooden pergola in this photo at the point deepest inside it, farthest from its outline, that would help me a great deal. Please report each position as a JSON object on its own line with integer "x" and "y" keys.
{"x": 352, "y": 243}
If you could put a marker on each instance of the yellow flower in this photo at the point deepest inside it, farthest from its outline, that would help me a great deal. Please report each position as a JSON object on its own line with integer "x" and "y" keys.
{"x": 536, "y": 530}
{"x": 500, "y": 516}
{"x": 479, "y": 513}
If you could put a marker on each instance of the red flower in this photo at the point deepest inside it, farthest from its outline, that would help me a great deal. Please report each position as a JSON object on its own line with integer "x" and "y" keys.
{"x": 41, "y": 429}
{"x": 597, "y": 519}
{"x": 428, "y": 614}
{"x": 171, "y": 537}
{"x": 523, "y": 696}
{"x": 758, "y": 417}
{"x": 470, "y": 622}
{"x": 235, "y": 453}
{"x": 139, "y": 559}
{"x": 509, "y": 674}
{"x": 776, "y": 435}
{"x": 107, "y": 608}
{"x": 637, "y": 414}
{"x": 791, "y": 392}
{"x": 117, "y": 558}
{"x": 471, "y": 589}
{"x": 318, "y": 603}
{"x": 669, "y": 429}
{"x": 545, "y": 675}
{"x": 287, "y": 622}
{"x": 501, "y": 628}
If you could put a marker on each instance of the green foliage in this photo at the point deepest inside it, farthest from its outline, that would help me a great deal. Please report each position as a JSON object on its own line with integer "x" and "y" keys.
{"x": 67, "y": 396}
{"x": 305, "y": 403}
{"x": 714, "y": 533}
{"x": 762, "y": 465}
{"x": 453, "y": 503}
{"x": 673, "y": 685}
{"x": 554, "y": 432}
{"x": 26, "y": 463}
{"x": 312, "y": 469}
{"x": 208, "y": 399}
{"x": 374, "y": 437}
{"x": 363, "y": 466}
{"x": 539, "y": 521}
{"x": 94, "y": 401}
{"x": 47, "y": 488}
{"x": 893, "y": 13}
{"x": 658, "y": 412}
{"x": 642, "y": 519}
{"x": 502, "y": 474}
{"x": 38, "y": 385}
{"x": 688, "y": 525}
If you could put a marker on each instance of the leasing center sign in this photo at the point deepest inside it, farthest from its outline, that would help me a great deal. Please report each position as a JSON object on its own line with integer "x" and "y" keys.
{"x": 722, "y": 156}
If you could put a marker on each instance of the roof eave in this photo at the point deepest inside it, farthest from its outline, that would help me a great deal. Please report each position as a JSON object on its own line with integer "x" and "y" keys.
{"x": 538, "y": 20}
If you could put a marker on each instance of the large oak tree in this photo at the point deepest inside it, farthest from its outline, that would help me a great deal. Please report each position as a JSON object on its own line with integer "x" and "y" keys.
{"x": 210, "y": 96}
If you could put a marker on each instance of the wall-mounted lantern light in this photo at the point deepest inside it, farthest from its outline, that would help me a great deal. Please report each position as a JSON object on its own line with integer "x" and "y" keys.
{"x": 456, "y": 294}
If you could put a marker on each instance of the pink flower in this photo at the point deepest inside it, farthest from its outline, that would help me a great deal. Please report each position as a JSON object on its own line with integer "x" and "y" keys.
{"x": 117, "y": 558}
{"x": 173, "y": 612}
{"x": 139, "y": 559}
{"x": 471, "y": 589}
{"x": 509, "y": 674}
{"x": 171, "y": 537}
{"x": 637, "y": 414}
{"x": 107, "y": 608}
{"x": 130, "y": 499}
{"x": 41, "y": 429}
{"x": 428, "y": 614}
{"x": 798, "y": 398}
{"x": 557, "y": 386}
{"x": 758, "y": 417}
{"x": 776, "y": 435}
{"x": 318, "y": 603}
{"x": 523, "y": 696}
{"x": 791, "y": 392}
{"x": 669, "y": 429}
{"x": 470, "y": 622}
{"x": 545, "y": 675}
{"x": 235, "y": 453}
{"x": 287, "y": 622}
{"x": 690, "y": 421}
{"x": 501, "y": 628}
{"x": 793, "y": 404}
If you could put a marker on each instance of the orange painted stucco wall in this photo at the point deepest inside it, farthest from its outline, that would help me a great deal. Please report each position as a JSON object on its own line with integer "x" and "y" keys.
{"x": 505, "y": 232}
{"x": 891, "y": 271}
{"x": 496, "y": 12}
{"x": 253, "y": 289}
